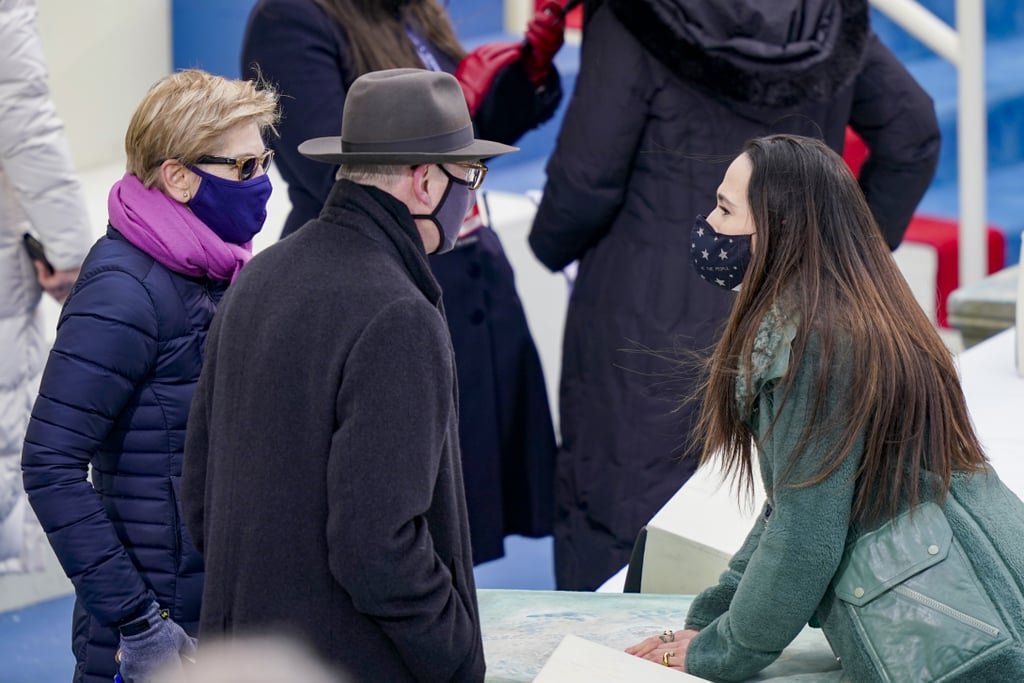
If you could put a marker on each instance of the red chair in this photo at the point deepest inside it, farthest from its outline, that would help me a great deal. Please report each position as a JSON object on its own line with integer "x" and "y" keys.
{"x": 942, "y": 234}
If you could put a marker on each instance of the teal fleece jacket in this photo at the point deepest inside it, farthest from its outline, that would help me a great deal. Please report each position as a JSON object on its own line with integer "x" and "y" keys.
{"x": 781, "y": 578}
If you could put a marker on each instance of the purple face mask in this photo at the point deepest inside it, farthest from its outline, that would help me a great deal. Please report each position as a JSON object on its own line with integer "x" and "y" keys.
{"x": 234, "y": 209}
{"x": 449, "y": 214}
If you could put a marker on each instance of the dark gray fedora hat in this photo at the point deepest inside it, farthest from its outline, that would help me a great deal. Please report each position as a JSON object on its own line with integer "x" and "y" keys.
{"x": 404, "y": 116}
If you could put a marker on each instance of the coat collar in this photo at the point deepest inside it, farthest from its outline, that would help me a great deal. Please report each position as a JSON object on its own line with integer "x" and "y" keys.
{"x": 776, "y": 54}
{"x": 377, "y": 215}
{"x": 770, "y": 356}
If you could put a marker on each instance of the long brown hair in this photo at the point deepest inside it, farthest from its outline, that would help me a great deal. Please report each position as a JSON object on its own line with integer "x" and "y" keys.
{"x": 376, "y": 31}
{"x": 819, "y": 256}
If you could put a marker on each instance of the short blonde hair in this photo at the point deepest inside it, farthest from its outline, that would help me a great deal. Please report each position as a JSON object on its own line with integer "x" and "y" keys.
{"x": 183, "y": 114}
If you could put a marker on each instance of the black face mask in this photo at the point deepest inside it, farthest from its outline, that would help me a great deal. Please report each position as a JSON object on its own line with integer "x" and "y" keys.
{"x": 391, "y": 7}
{"x": 449, "y": 214}
{"x": 719, "y": 259}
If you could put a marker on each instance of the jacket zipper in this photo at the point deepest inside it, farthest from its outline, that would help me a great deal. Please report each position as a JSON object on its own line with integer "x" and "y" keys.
{"x": 947, "y": 610}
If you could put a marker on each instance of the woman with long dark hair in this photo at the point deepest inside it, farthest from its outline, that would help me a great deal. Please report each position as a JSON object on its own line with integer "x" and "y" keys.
{"x": 884, "y": 523}
{"x": 312, "y": 50}
{"x": 670, "y": 88}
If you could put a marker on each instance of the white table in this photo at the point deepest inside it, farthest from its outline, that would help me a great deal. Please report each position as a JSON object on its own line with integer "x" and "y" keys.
{"x": 995, "y": 399}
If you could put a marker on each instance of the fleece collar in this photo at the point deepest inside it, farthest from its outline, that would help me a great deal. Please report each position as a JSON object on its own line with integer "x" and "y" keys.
{"x": 770, "y": 356}
{"x": 777, "y": 53}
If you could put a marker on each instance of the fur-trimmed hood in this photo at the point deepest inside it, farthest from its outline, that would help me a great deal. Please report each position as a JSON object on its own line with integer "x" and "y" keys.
{"x": 771, "y": 54}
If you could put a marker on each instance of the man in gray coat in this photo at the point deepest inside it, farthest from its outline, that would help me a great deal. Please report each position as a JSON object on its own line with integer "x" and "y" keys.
{"x": 322, "y": 477}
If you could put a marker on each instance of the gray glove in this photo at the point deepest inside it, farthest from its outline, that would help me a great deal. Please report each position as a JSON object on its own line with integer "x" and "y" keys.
{"x": 153, "y": 644}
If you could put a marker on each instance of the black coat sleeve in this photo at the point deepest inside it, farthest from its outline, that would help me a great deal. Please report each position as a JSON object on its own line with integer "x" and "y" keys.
{"x": 896, "y": 118}
{"x": 589, "y": 171}
{"x": 297, "y": 48}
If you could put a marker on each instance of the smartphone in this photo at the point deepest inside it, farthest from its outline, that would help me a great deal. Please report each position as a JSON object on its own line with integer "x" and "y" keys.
{"x": 36, "y": 252}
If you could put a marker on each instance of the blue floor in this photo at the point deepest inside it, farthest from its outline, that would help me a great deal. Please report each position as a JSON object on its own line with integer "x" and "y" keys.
{"x": 35, "y": 642}
{"x": 528, "y": 564}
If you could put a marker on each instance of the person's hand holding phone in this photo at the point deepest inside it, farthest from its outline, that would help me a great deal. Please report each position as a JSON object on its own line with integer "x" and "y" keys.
{"x": 56, "y": 283}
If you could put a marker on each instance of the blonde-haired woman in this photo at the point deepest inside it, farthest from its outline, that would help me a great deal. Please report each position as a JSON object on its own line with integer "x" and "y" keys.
{"x": 117, "y": 386}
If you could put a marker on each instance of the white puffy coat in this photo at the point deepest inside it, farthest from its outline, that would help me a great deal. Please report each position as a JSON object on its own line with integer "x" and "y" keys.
{"x": 39, "y": 193}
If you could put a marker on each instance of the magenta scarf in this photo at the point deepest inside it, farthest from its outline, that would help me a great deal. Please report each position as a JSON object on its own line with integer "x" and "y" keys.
{"x": 169, "y": 232}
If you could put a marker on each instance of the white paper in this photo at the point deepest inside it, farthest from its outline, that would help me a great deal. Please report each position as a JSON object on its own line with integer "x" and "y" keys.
{"x": 578, "y": 659}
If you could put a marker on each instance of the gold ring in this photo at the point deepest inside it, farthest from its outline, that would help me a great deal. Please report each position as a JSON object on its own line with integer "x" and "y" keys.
{"x": 665, "y": 657}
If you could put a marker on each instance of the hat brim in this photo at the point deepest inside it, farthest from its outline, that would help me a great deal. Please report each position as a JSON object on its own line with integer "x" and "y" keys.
{"x": 328, "y": 150}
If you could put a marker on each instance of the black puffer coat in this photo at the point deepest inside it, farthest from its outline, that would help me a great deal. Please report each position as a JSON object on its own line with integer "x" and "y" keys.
{"x": 102, "y": 456}
{"x": 668, "y": 92}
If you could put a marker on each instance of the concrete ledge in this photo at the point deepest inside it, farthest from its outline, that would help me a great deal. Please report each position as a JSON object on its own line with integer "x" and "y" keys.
{"x": 986, "y": 307}
{"x": 691, "y": 539}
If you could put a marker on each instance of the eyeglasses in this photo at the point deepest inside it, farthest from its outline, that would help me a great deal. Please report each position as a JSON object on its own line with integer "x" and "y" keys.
{"x": 472, "y": 173}
{"x": 246, "y": 165}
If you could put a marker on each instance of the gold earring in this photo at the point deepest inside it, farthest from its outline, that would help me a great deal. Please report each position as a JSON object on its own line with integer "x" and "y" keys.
{"x": 186, "y": 195}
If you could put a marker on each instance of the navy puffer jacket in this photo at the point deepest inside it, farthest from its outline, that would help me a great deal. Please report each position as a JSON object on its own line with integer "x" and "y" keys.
{"x": 115, "y": 395}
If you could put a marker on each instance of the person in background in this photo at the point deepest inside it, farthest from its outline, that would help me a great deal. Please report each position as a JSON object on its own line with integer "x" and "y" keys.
{"x": 831, "y": 370}
{"x": 325, "y": 490}
{"x": 313, "y": 50}
{"x": 102, "y": 455}
{"x": 665, "y": 89}
{"x": 39, "y": 194}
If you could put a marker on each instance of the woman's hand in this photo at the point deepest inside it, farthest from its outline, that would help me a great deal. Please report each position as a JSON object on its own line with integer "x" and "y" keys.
{"x": 58, "y": 283}
{"x": 667, "y": 649}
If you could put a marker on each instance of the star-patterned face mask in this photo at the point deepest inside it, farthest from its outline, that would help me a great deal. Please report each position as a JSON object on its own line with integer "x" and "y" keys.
{"x": 719, "y": 259}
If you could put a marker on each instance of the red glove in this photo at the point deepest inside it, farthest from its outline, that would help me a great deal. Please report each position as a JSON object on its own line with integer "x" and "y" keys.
{"x": 477, "y": 70}
{"x": 544, "y": 36}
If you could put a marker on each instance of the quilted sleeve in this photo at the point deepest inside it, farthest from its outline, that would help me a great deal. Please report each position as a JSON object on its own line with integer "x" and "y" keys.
{"x": 105, "y": 347}
{"x": 588, "y": 173}
{"x": 896, "y": 118}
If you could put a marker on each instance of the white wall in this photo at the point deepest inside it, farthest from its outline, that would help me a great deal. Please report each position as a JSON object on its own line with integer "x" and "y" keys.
{"x": 103, "y": 57}
{"x": 517, "y": 13}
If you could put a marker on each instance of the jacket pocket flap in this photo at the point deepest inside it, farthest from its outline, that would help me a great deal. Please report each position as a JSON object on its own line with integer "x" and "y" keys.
{"x": 894, "y": 552}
